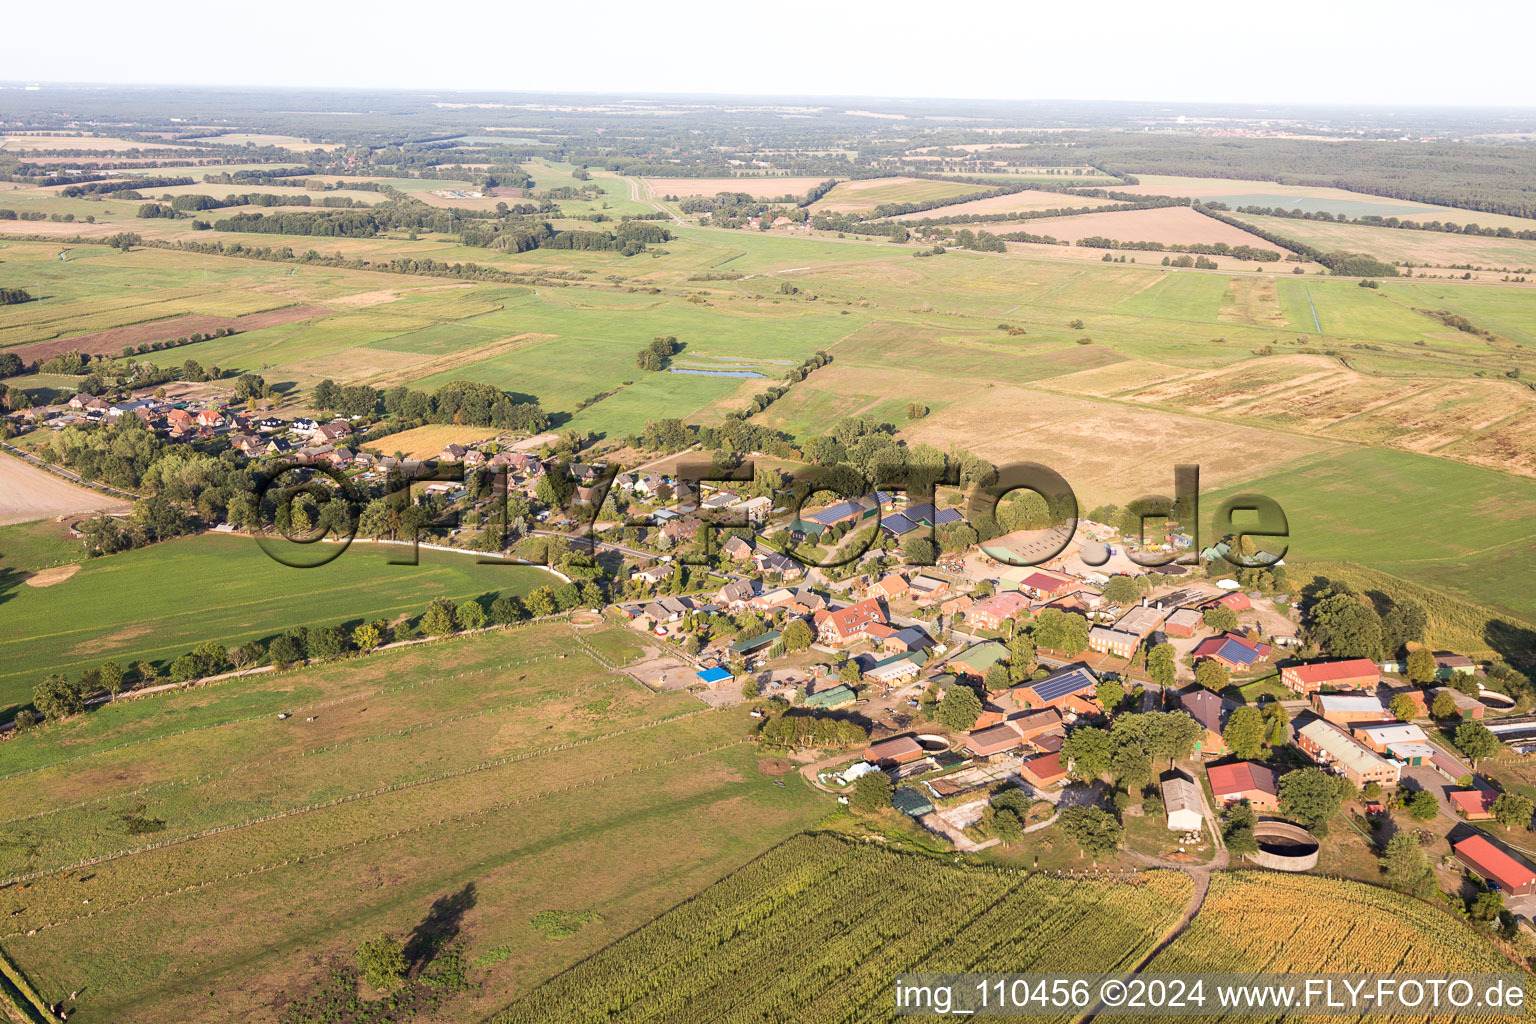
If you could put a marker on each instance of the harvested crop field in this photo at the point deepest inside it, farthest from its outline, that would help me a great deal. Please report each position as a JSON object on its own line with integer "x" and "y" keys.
{"x": 757, "y": 188}
{"x": 868, "y": 193}
{"x": 1171, "y": 225}
{"x": 428, "y": 442}
{"x": 28, "y": 493}
{"x": 1018, "y": 202}
{"x": 1107, "y": 452}
{"x": 1419, "y": 248}
{"x": 113, "y": 342}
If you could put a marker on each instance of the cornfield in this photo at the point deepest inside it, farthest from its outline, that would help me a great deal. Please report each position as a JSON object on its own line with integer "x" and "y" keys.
{"x": 816, "y": 930}
{"x": 1256, "y": 921}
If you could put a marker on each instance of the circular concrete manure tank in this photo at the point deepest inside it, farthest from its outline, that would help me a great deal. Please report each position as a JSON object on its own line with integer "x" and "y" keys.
{"x": 932, "y": 743}
{"x": 1284, "y": 847}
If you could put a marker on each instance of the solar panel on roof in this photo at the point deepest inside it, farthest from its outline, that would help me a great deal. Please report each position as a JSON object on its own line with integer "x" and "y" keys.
{"x": 898, "y": 524}
{"x": 1057, "y": 686}
{"x": 947, "y": 516}
{"x": 923, "y": 512}
{"x": 828, "y": 516}
{"x": 1237, "y": 653}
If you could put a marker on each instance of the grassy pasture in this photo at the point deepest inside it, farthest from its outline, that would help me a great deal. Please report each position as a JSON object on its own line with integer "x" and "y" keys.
{"x": 1459, "y": 529}
{"x": 156, "y": 603}
{"x": 526, "y": 779}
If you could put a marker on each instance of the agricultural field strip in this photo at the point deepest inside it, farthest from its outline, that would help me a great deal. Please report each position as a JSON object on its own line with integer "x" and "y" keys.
{"x": 1322, "y": 434}
{"x": 246, "y": 765}
{"x": 180, "y": 646}
{"x": 384, "y": 690}
{"x": 384, "y": 837}
{"x": 841, "y": 901}
{"x": 526, "y": 755}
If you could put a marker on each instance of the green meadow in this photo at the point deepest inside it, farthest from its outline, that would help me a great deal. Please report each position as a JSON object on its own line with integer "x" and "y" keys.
{"x": 1455, "y": 528}
{"x": 156, "y": 603}
{"x": 557, "y": 785}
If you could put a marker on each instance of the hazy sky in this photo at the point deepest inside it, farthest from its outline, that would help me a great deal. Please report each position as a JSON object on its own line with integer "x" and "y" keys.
{"x": 1311, "y": 51}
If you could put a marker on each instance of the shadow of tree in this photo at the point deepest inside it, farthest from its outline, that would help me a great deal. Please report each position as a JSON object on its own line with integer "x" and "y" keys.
{"x": 439, "y": 927}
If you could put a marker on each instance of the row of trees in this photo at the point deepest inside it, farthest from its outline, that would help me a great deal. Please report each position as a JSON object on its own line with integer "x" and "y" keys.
{"x": 57, "y": 696}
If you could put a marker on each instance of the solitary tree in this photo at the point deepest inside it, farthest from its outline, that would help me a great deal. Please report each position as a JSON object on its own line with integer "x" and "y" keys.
{"x": 1212, "y": 675}
{"x": 1476, "y": 740}
{"x": 871, "y": 793}
{"x": 1161, "y": 665}
{"x": 1421, "y": 666}
{"x": 1421, "y": 805}
{"x": 57, "y": 697}
{"x": 1406, "y": 867}
{"x": 1310, "y": 796}
{"x": 382, "y": 961}
{"x": 439, "y": 618}
{"x": 1244, "y": 733}
{"x": 1513, "y": 810}
{"x": 1404, "y": 708}
{"x": 1443, "y": 707}
{"x": 959, "y": 709}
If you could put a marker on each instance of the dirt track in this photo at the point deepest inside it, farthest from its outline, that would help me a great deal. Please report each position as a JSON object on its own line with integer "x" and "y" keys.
{"x": 28, "y": 493}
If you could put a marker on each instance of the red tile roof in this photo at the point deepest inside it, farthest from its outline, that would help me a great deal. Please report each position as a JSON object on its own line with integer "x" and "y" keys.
{"x": 1329, "y": 671}
{"x": 1493, "y": 863}
{"x": 1474, "y": 801}
{"x": 1242, "y": 777}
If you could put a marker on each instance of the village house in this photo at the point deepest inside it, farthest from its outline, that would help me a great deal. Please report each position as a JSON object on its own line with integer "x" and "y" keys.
{"x": 992, "y": 612}
{"x": 1113, "y": 641}
{"x": 208, "y": 418}
{"x": 1067, "y": 689}
{"x": 1331, "y": 747}
{"x": 753, "y": 510}
{"x": 1258, "y": 784}
{"x": 738, "y": 549}
{"x": 451, "y": 453}
{"x": 848, "y": 625}
{"x": 888, "y": 588}
{"x": 1211, "y": 712}
{"x": 682, "y": 529}
{"x": 653, "y": 574}
{"x": 927, "y": 589}
{"x": 797, "y": 601}
{"x": 735, "y": 595}
{"x": 768, "y": 561}
{"x": 1232, "y": 651}
{"x": 332, "y": 431}
{"x": 667, "y": 609}
{"x": 1351, "y": 674}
